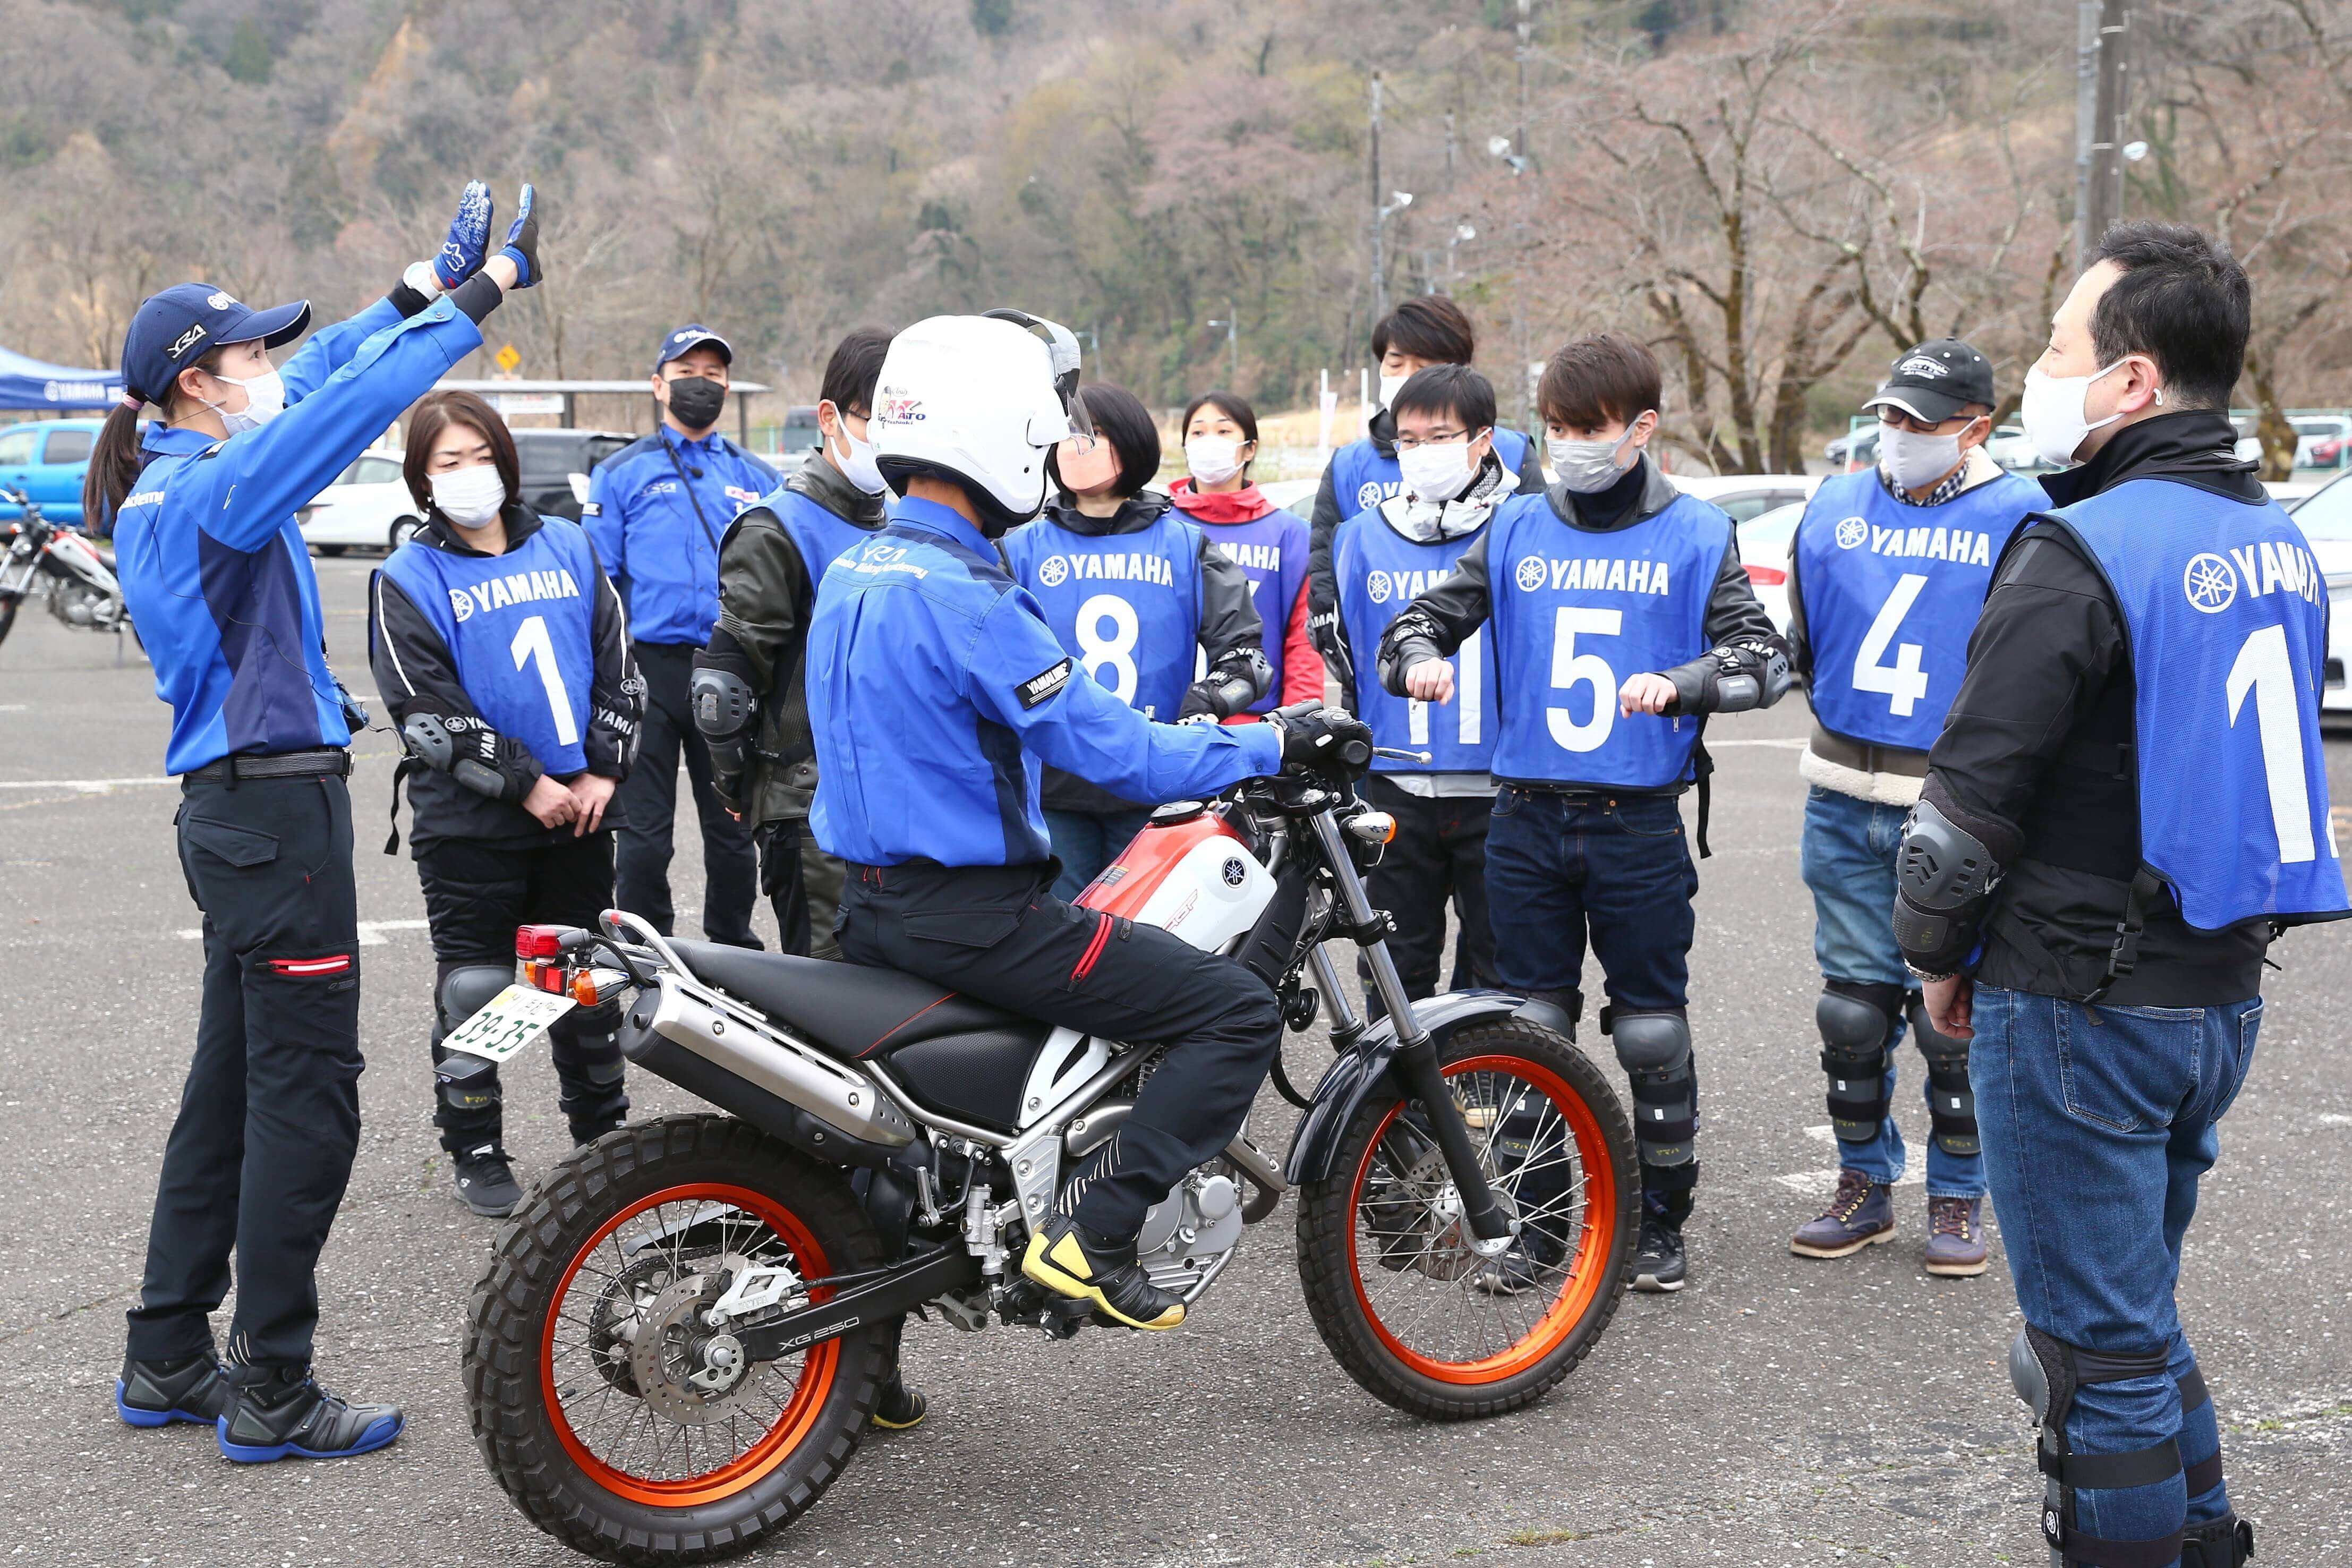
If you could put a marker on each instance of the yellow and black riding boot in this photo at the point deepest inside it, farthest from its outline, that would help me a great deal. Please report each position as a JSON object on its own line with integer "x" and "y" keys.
{"x": 1071, "y": 1260}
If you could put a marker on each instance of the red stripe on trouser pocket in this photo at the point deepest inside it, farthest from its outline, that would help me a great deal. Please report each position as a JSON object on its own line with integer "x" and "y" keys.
{"x": 333, "y": 964}
{"x": 1085, "y": 964}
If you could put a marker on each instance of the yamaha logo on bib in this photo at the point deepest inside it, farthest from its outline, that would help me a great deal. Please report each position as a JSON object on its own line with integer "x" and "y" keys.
{"x": 1371, "y": 492}
{"x": 461, "y": 604}
{"x": 1053, "y": 572}
{"x": 1530, "y": 574}
{"x": 1376, "y": 583}
{"x": 1852, "y": 533}
{"x": 2209, "y": 583}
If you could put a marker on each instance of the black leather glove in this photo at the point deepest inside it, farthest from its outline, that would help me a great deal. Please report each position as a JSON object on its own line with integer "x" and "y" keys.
{"x": 1329, "y": 740}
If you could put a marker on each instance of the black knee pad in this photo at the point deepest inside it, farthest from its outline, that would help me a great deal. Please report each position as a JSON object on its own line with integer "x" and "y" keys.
{"x": 1654, "y": 1049}
{"x": 1952, "y": 1108}
{"x": 463, "y": 990}
{"x": 2224, "y": 1543}
{"x": 1856, "y": 1020}
{"x": 1558, "y": 1011}
{"x": 465, "y": 1088}
{"x": 2046, "y": 1371}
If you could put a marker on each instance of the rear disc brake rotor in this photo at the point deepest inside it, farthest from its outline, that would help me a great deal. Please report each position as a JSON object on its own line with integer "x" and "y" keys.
{"x": 684, "y": 1372}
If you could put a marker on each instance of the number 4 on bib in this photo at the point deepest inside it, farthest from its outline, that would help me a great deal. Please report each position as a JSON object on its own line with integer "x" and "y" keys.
{"x": 1903, "y": 683}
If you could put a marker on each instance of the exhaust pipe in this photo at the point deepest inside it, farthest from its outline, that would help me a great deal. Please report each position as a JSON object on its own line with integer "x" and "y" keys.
{"x": 773, "y": 1065}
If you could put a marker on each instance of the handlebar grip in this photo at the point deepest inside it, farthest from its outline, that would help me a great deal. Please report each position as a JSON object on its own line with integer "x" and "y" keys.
{"x": 1356, "y": 753}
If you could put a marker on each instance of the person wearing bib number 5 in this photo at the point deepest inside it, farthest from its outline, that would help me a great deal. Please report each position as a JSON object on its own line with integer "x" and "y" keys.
{"x": 504, "y": 657}
{"x": 2127, "y": 805}
{"x": 1621, "y": 617}
{"x": 657, "y": 512}
{"x": 1886, "y": 573}
{"x": 1137, "y": 597}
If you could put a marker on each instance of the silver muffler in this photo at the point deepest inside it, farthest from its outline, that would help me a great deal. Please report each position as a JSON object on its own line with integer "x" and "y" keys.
{"x": 684, "y": 1014}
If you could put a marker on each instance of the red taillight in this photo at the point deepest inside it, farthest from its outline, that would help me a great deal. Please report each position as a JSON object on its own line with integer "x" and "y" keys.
{"x": 539, "y": 941}
{"x": 1766, "y": 576}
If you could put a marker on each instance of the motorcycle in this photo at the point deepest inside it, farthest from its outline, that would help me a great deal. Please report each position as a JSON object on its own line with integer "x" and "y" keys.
{"x": 682, "y": 1331}
{"x": 74, "y": 573}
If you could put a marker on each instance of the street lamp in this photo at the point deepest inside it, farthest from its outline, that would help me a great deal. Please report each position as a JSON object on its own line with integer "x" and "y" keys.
{"x": 1462, "y": 235}
{"x": 1398, "y": 201}
{"x": 1231, "y": 323}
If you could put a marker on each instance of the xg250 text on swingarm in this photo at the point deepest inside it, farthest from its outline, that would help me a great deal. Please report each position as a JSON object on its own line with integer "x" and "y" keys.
{"x": 682, "y": 1329}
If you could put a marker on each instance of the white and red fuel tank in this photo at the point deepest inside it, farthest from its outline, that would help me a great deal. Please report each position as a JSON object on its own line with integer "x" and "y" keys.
{"x": 1192, "y": 877}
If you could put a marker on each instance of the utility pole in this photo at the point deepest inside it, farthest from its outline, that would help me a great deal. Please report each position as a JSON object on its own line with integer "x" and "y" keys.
{"x": 1232, "y": 325}
{"x": 2101, "y": 91}
{"x": 1380, "y": 214}
{"x": 1519, "y": 57}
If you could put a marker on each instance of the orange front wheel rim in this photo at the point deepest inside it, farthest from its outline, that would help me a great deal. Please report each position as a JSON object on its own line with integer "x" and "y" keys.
{"x": 675, "y": 1446}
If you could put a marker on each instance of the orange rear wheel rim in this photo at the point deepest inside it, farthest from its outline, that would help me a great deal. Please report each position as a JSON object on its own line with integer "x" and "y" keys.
{"x": 786, "y": 1429}
{"x": 1583, "y": 1267}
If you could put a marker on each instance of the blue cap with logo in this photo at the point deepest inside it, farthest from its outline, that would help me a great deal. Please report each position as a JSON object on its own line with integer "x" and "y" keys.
{"x": 692, "y": 336}
{"x": 178, "y": 327}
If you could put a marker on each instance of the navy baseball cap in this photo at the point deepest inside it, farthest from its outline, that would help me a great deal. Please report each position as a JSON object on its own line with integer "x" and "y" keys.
{"x": 693, "y": 335}
{"x": 1936, "y": 381}
{"x": 178, "y": 327}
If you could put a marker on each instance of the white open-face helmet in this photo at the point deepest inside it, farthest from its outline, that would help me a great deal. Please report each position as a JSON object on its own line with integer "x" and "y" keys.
{"x": 981, "y": 400}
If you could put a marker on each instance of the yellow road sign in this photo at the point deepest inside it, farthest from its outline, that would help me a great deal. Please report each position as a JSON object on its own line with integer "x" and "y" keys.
{"x": 507, "y": 358}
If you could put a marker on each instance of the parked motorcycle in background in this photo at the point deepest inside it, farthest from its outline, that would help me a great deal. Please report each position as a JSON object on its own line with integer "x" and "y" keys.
{"x": 681, "y": 1331}
{"x": 74, "y": 573}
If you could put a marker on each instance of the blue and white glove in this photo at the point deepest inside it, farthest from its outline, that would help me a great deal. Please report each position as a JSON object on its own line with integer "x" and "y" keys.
{"x": 470, "y": 238}
{"x": 522, "y": 241}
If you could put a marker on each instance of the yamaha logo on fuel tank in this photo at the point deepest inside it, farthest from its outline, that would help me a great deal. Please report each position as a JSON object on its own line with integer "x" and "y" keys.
{"x": 1236, "y": 872}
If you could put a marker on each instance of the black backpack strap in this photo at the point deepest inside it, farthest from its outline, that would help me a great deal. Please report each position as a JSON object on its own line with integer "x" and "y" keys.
{"x": 2124, "y": 956}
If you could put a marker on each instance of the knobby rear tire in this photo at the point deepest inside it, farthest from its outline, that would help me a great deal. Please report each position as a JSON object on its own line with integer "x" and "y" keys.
{"x": 1330, "y": 1256}
{"x": 561, "y": 1220}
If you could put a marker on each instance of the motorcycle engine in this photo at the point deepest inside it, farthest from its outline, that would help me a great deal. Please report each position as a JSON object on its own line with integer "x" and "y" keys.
{"x": 79, "y": 606}
{"x": 1188, "y": 1236}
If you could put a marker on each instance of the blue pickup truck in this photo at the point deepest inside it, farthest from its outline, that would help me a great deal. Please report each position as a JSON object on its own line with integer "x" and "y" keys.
{"x": 46, "y": 459}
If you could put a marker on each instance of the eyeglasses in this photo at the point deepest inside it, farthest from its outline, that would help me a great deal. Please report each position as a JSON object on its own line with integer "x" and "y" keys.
{"x": 1437, "y": 438}
{"x": 1898, "y": 419}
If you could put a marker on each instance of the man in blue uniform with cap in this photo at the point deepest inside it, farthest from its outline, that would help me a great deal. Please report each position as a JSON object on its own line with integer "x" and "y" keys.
{"x": 2127, "y": 805}
{"x": 656, "y": 511}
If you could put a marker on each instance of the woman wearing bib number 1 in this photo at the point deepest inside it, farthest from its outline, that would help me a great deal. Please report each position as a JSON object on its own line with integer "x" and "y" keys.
{"x": 503, "y": 654}
{"x": 1620, "y": 617}
{"x": 1136, "y": 595}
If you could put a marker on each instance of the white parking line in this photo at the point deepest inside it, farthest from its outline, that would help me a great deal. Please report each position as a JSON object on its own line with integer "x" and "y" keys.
{"x": 1822, "y": 1183}
{"x": 370, "y": 932}
{"x": 85, "y": 786}
{"x": 1777, "y": 745}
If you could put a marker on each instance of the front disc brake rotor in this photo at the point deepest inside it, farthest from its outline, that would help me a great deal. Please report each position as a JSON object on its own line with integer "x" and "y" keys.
{"x": 685, "y": 1372}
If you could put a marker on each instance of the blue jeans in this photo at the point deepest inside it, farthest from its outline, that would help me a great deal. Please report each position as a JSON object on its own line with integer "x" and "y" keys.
{"x": 1849, "y": 863}
{"x": 1086, "y": 843}
{"x": 2097, "y": 1122}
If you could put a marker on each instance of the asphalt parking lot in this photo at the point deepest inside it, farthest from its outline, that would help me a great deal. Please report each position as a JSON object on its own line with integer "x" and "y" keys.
{"x": 1778, "y": 1411}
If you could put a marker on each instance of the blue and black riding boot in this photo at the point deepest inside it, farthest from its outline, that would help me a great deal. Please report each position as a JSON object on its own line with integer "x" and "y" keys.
{"x": 282, "y": 1413}
{"x": 158, "y": 1392}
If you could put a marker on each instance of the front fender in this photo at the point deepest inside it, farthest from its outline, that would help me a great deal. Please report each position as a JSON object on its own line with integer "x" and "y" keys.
{"x": 1362, "y": 1074}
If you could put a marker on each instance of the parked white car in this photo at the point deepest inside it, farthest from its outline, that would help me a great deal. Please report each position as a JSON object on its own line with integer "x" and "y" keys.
{"x": 368, "y": 507}
{"x": 2326, "y": 518}
{"x": 1747, "y": 496}
{"x": 1764, "y": 541}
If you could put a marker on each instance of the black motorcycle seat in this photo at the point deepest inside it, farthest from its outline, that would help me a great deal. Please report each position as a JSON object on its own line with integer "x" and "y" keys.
{"x": 849, "y": 1010}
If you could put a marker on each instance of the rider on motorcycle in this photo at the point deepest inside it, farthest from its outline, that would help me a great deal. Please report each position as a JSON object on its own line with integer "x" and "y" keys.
{"x": 935, "y": 689}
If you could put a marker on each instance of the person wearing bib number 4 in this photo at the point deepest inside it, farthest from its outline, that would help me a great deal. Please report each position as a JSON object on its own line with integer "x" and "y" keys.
{"x": 1442, "y": 420}
{"x": 503, "y": 655}
{"x": 1142, "y": 601}
{"x": 657, "y": 512}
{"x": 2127, "y": 805}
{"x": 1885, "y": 575}
{"x": 1620, "y": 617}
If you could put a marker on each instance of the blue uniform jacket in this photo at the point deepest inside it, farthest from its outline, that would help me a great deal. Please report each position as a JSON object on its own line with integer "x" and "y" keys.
{"x": 935, "y": 687}
{"x": 213, "y": 567}
{"x": 642, "y": 517}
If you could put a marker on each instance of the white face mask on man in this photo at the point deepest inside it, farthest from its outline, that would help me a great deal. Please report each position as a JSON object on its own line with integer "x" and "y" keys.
{"x": 857, "y": 464}
{"x": 469, "y": 496}
{"x": 2052, "y": 411}
{"x": 1587, "y": 468}
{"x": 1915, "y": 459}
{"x": 1435, "y": 470}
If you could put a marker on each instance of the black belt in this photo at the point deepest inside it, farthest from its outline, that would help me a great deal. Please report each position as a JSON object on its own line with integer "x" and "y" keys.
{"x": 332, "y": 762}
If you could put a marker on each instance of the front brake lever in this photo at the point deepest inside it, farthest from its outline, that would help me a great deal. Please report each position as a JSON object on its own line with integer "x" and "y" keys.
{"x": 1394, "y": 755}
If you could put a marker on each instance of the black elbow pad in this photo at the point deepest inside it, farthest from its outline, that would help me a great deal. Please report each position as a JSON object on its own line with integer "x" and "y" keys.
{"x": 1944, "y": 880}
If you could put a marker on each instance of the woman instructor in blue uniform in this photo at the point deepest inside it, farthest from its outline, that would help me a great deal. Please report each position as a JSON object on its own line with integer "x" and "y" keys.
{"x": 214, "y": 571}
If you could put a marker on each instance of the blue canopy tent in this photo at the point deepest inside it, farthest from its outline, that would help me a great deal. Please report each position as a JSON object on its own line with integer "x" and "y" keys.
{"x": 31, "y": 383}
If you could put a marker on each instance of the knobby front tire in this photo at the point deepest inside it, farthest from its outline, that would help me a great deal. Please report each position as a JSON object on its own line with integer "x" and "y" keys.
{"x": 1410, "y": 1311}
{"x": 607, "y": 1254}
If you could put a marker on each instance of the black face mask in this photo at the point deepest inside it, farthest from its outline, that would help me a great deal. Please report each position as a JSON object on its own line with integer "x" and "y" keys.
{"x": 695, "y": 401}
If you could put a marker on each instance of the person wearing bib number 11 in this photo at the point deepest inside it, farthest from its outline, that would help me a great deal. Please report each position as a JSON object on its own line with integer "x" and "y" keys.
{"x": 504, "y": 657}
{"x": 1620, "y": 616}
{"x": 2127, "y": 805}
{"x": 1886, "y": 573}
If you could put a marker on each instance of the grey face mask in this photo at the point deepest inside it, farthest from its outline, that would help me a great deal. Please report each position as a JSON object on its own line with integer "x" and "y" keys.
{"x": 1587, "y": 468}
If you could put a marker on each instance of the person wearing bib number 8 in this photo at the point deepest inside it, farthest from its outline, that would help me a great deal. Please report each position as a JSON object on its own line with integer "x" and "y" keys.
{"x": 503, "y": 654}
{"x": 2127, "y": 805}
{"x": 1886, "y": 573}
{"x": 1620, "y": 616}
{"x": 1138, "y": 597}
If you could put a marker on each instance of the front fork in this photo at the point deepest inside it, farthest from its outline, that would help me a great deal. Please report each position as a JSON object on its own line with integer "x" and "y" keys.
{"x": 1415, "y": 1063}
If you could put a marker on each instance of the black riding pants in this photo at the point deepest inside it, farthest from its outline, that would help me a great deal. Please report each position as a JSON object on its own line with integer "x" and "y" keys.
{"x": 269, "y": 1118}
{"x": 649, "y": 812}
{"x": 475, "y": 892}
{"x": 997, "y": 933}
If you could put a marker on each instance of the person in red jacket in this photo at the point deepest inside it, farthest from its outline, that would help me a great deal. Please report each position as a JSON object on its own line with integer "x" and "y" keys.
{"x": 1266, "y": 543}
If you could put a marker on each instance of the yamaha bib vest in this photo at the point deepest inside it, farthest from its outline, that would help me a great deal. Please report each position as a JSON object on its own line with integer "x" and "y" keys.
{"x": 1271, "y": 551}
{"x": 1573, "y": 614}
{"x": 1379, "y": 572}
{"x": 1891, "y": 593}
{"x": 819, "y": 535}
{"x": 519, "y": 627}
{"x": 1126, "y": 605}
{"x": 2226, "y": 613}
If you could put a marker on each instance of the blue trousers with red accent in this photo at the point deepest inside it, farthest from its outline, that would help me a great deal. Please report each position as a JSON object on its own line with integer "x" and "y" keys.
{"x": 997, "y": 933}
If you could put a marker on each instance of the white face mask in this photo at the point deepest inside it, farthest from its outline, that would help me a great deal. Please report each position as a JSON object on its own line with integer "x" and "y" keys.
{"x": 265, "y": 399}
{"x": 1390, "y": 386}
{"x": 2052, "y": 413}
{"x": 1435, "y": 470}
{"x": 1915, "y": 461}
{"x": 469, "y": 496}
{"x": 859, "y": 467}
{"x": 1212, "y": 459}
{"x": 1587, "y": 467}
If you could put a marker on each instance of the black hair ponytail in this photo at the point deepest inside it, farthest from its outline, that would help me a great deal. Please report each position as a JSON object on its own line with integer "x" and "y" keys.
{"x": 114, "y": 465}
